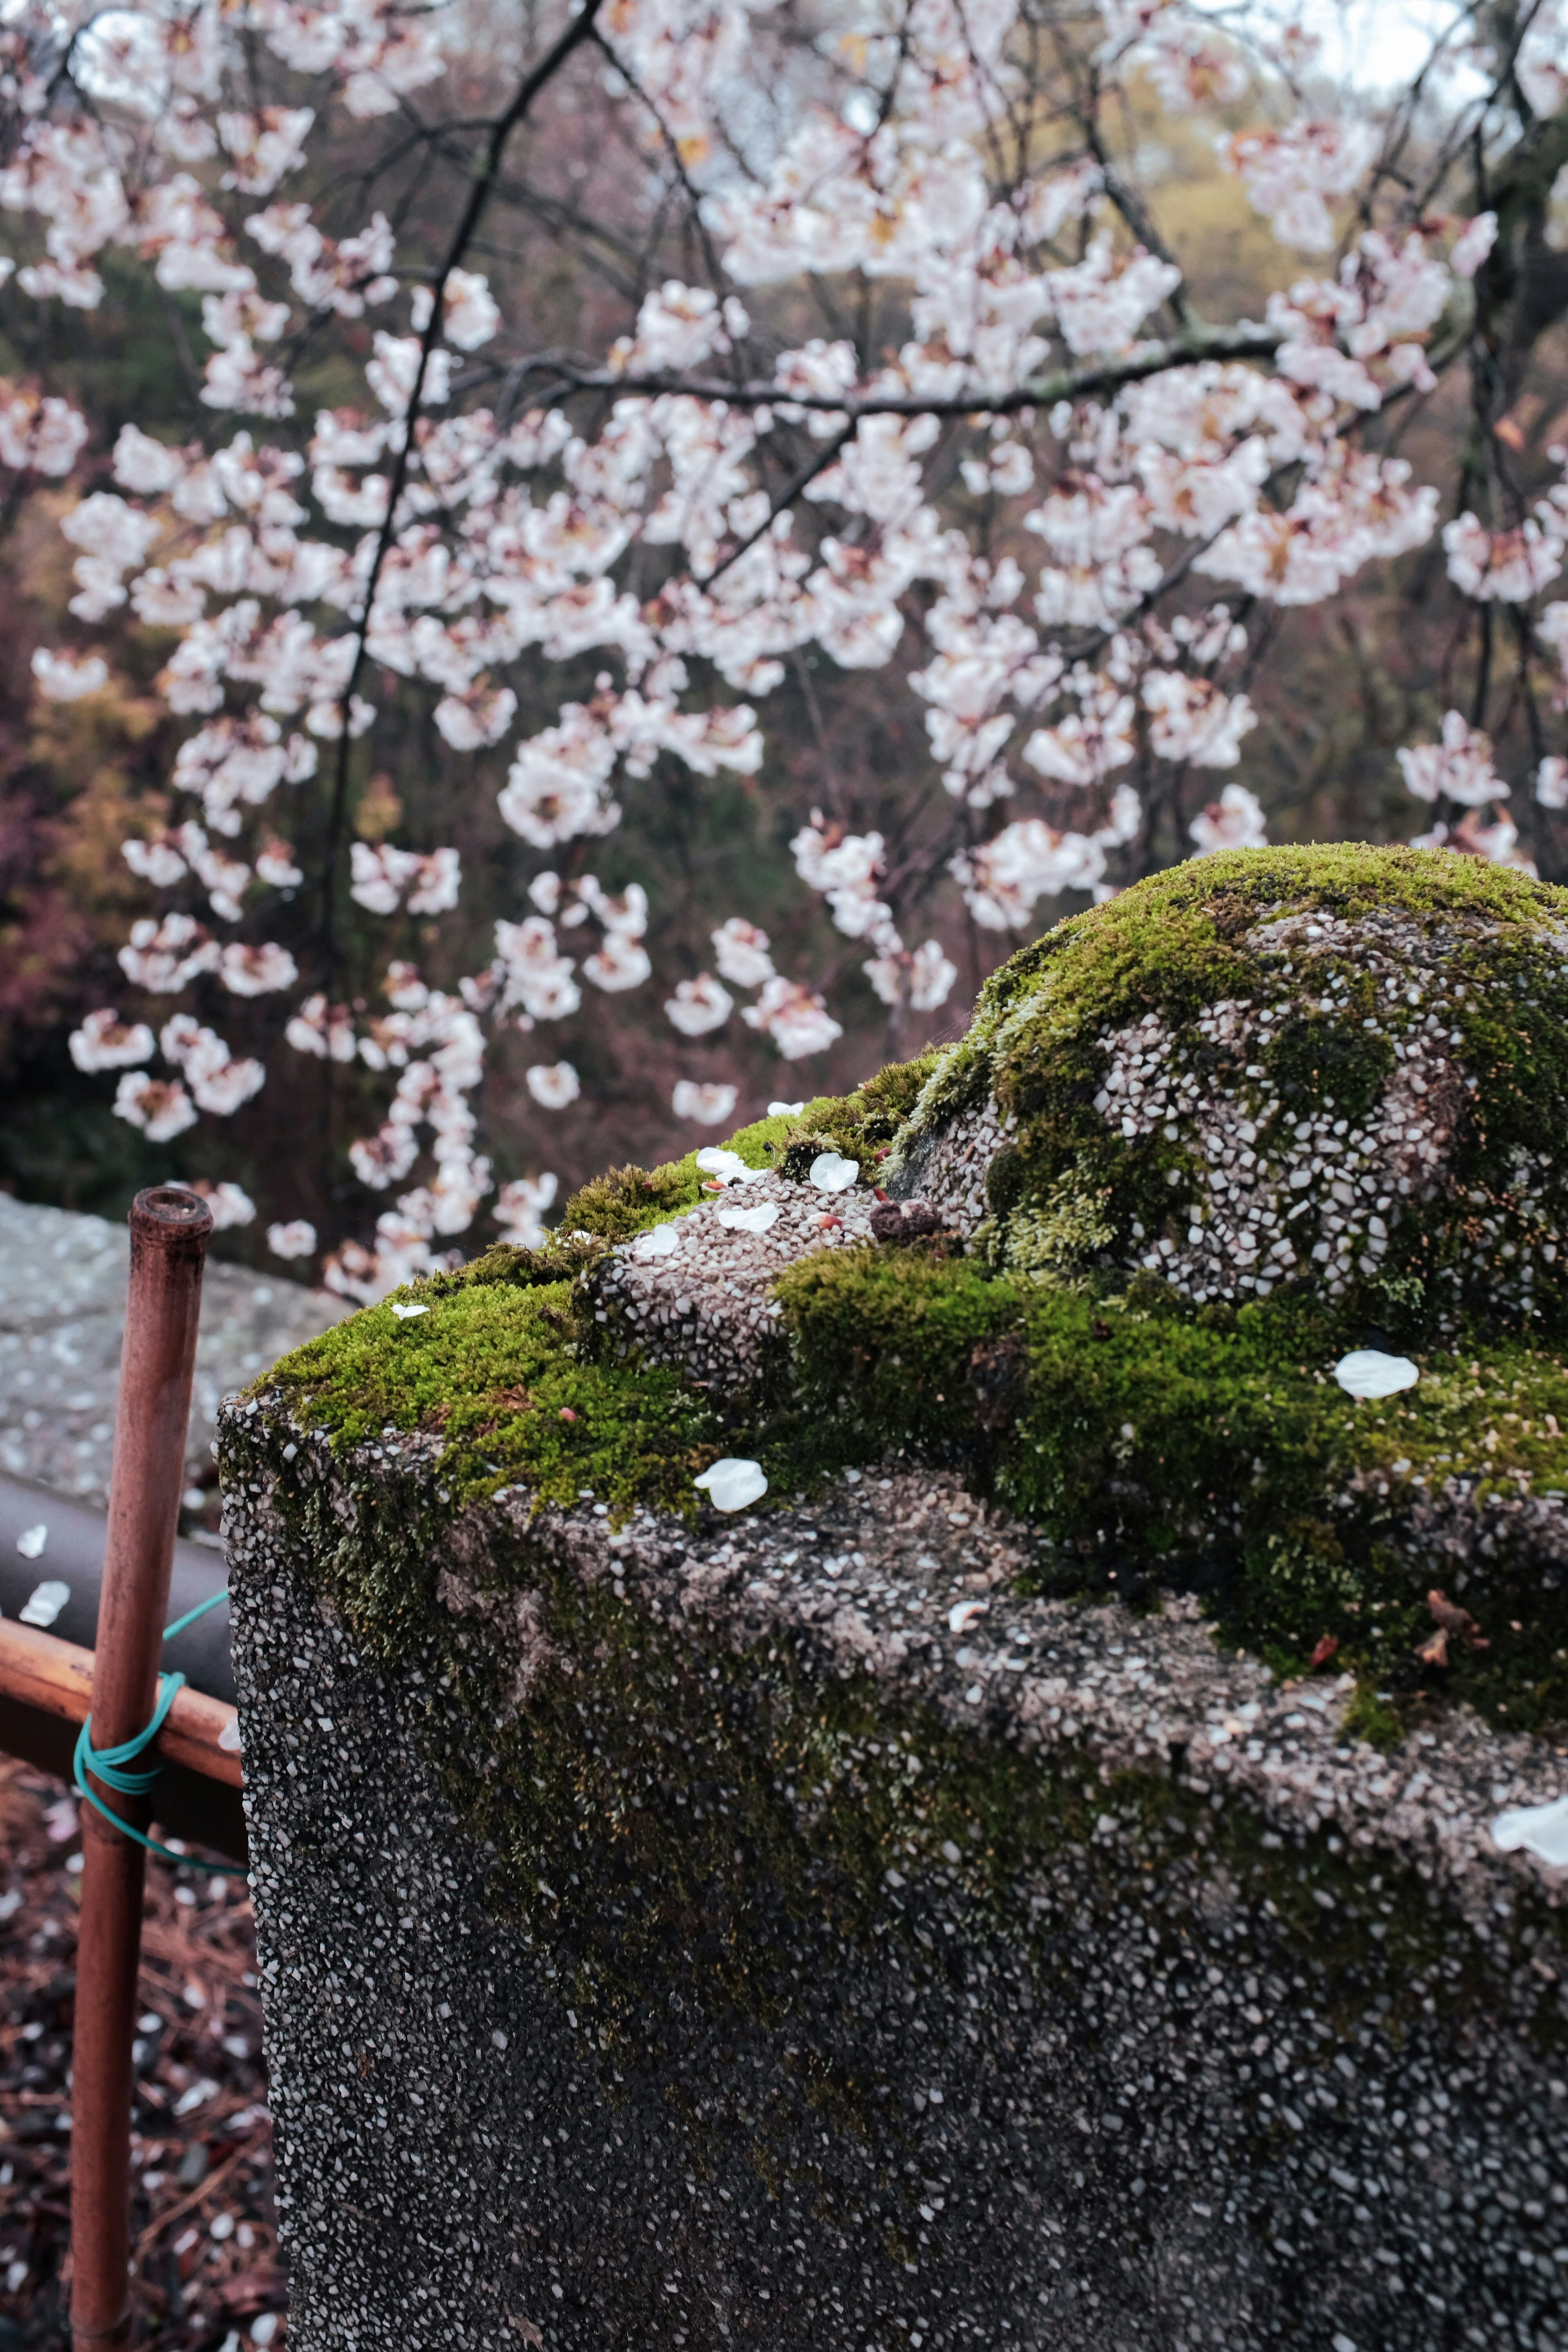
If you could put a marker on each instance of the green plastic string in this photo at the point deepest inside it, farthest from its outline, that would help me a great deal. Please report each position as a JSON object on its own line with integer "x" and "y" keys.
{"x": 114, "y": 1766}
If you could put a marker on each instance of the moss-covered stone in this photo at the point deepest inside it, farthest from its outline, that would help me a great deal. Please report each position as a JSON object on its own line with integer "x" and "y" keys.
{"x": 1167, "y": 1096}
{"x": 1379, "y": 1037}
{"x": 494, "y": 1374}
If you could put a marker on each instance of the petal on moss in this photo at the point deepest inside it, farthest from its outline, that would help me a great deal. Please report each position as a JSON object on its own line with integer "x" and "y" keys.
{"x": 831, "y": 1172}
{"x": 1368, "y": 1372}
{"x": 732, "y": 1484}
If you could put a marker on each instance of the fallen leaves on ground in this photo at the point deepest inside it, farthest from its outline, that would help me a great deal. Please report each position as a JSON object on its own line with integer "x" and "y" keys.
{"x": 203, "y": 2230}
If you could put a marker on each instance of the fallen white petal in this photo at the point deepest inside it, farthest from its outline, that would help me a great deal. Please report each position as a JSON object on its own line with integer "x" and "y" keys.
{"x": 659, "y": 1241}
{"x": 728, "y": 1165}
{"x": 785, "y": 1110}
{"x": 732, "y": 1484}
{"x": 831, "y": 1172}
{"x": 1368, "y": 1372}
{"x": 751, "y": 1220}
{"x": 1543, "y": 1829}
{"x": 31, "y": 1541}
{"x": 45, "y": 1603}
{"x": 228, "y": 1737}
{"x": 964, "y": 1613}
{"x": 403, "y": 1312}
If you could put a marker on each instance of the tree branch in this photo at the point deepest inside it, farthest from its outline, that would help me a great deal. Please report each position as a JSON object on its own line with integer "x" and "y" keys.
{"x": 1245, "y": 341}
{"x": 486, "y": 172}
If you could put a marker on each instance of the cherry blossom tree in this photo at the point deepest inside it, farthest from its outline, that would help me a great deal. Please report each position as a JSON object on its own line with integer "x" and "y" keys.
{"x": 910, "y": 372}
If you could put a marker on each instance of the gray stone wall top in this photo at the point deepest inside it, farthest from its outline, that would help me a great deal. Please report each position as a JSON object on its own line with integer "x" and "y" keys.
{"x": 62, "y": 1308}
{"x": 649, "y": 1955}
{"x": 907, "y": 1580}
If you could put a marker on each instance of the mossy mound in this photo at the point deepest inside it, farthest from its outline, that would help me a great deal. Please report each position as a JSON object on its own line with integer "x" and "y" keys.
{"x": 1341, "y": 1071}
{"x": 1197, "y": 1144}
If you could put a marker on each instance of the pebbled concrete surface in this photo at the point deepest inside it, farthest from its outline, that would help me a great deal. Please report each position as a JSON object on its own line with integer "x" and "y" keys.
{"x": 1266, "y": 2048}
{"x": 62, "y": 1310}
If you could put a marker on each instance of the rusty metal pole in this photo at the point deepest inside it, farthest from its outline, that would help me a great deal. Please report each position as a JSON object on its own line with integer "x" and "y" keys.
{"x": 169, "y": 1232}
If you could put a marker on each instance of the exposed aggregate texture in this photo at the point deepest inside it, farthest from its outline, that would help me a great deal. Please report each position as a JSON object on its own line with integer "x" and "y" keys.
{"x": 782, "y": 1932}
{"x": 696, "y": 1289}
{"x": 949, "y": 1170}
{"x": 1339, "y": 1070}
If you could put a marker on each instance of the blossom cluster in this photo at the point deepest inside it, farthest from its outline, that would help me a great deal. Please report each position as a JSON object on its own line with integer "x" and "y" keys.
{"x": 1009, "y": 504}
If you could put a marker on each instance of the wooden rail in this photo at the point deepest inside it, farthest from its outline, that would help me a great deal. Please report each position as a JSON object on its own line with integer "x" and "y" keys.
{"x": 38, "y": 1670}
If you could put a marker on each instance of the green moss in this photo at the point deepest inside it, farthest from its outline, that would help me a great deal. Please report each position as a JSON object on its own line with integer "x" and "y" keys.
{"x": 1369, "y": 1716}
{"x": 884, "y": 1342}
{"x": 493, "y": 1374}
{"x": 507, "y": 1266}
{"x": 1152, "y": 1442}
{"x": 1212, "y": 1452}
{"x": 615, "y": 1207}
{"x": 1070, "y": 1189}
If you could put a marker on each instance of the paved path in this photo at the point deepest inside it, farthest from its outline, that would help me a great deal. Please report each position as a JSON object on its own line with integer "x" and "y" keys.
{"x": 62, "y": 1308}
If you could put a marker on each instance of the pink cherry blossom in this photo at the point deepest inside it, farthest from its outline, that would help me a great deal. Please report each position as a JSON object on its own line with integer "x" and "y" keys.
{"x": 1551, "y": 782}
{"x": 65, "y": 681}
{"x": 327, "y": 1032}
{"x": 161, "y": 1108}
{"x": 1512, "y": 566}
{"x": 740, "y": 951}
{"x": 1193, "y": 719}
{"x": 1007, "y": 493}
{"x": 256, "y": 970}
{"x": 385, "y": 878}
{"x": 230, "y": 1204}
{"x": 1025, "y": 861}
{"x": 1293, "y": 176}
{"x": 521, "y": 1206}
{"x": 41, "y": 437}
{"x": 533, "y": 972}
{"x": 794, "y": 1017}
{"x": 921, "y": 981}
{"x": 162, "y": 957}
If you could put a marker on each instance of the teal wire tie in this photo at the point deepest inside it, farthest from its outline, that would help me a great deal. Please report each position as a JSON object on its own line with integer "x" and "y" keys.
{"x": 114, "y": 1766}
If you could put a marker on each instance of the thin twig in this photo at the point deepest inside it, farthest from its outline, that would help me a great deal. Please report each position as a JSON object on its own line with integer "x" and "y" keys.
{"x": 486, "y": 170}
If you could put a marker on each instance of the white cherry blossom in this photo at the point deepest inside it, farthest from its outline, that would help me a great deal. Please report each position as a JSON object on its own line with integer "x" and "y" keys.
{"x": 295, "y": 1239}
{"x": 698, "y": 1005}
{"x": 553, "y": 1085}
{"x": 707, "y": 1101}
{"x": 1460, "y": 768}
{"x": 1008, "y": 500}
{"x": 104, "y": 1042}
